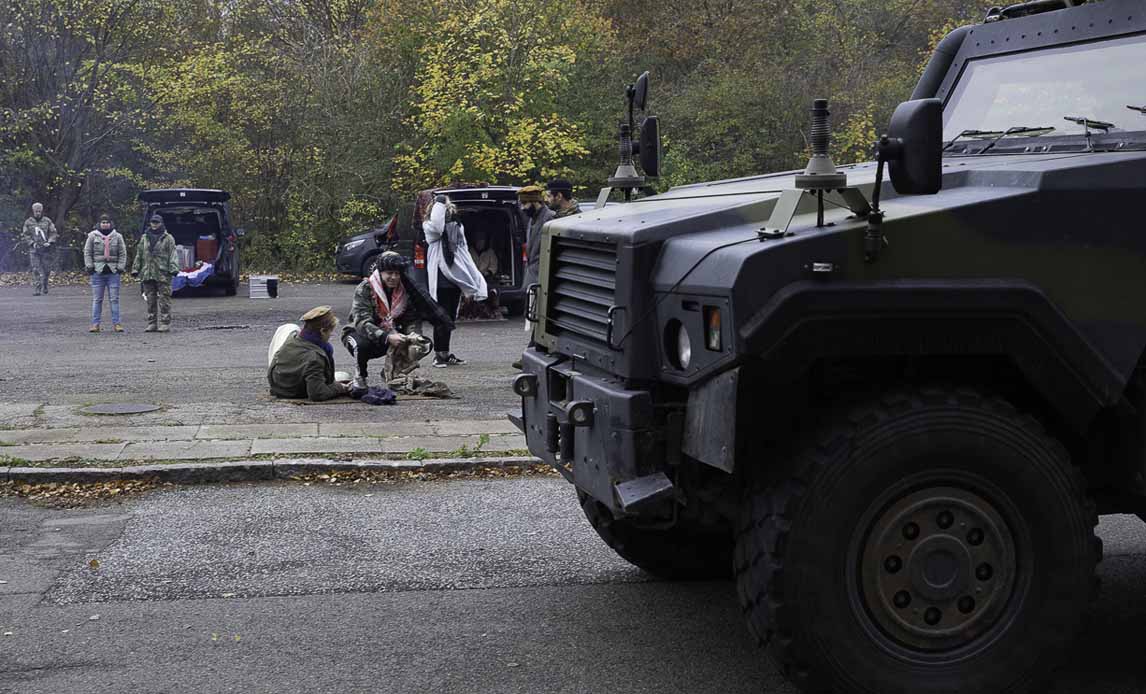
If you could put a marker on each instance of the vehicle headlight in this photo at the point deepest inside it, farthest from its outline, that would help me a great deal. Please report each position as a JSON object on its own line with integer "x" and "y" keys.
{"x": 351, "y": 245}
{"x": 678, "y": 346}
{"x": 683, "y": 347}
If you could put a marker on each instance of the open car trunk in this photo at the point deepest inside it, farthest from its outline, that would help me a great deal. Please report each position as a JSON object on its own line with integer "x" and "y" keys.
{"x": 197, "y": 232}
{"x": 493, "y": 228}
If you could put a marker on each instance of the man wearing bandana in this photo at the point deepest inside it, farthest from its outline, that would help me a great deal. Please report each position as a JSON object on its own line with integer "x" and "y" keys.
{"x": 387, "y": 306}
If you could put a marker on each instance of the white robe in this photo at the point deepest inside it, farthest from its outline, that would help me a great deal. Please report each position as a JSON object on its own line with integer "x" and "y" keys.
{"x": 463, "y": 273}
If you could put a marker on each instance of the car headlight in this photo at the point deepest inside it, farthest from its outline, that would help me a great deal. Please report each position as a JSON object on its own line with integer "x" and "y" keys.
{"x": 678, "y": 346}
{"x": 683, "y": 347}
{"x": 351, "y": 245}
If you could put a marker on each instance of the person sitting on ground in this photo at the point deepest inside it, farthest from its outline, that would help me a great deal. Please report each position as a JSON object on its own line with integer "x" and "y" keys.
{"x": 304, "y": 366}
{"x": 387, "y": 306}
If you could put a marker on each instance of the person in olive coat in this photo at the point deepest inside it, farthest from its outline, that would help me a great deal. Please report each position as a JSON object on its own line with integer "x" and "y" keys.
{"x": 304, "y": 366}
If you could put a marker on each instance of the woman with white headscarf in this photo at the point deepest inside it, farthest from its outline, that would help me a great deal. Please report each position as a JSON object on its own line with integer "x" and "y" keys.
{"x": 450, "y": 271}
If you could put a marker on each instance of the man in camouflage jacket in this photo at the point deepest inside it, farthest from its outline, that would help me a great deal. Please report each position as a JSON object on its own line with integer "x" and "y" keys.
{"x": 155, "y": 264}
{"x": 40, "y": 235}
{"x": 561, "y": 198}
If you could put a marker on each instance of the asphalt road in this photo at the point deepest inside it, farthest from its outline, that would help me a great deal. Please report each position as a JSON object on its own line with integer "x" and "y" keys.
{"x": 474, "y": 586}
{"x": 214, "y": 362}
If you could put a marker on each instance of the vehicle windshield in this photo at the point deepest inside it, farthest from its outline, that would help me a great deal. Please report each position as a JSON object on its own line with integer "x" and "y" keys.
{"x": 1095, "y": 81}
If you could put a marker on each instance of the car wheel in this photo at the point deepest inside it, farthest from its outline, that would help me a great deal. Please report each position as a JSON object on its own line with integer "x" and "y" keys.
{"x": 515, "y": 308}
{"x": 370, "y": 264}
{"x": 932, "y": 542}
{"x": 679, "y": 552}
{"x": 232, "y": 287}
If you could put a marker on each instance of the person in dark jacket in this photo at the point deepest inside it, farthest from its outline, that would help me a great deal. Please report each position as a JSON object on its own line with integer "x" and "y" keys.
{"x": 387, "y": 306}
{"x": 304, "y": 366}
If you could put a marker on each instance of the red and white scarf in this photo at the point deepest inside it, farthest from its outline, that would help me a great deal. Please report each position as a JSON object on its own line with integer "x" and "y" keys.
{"x": 387, "y": 312}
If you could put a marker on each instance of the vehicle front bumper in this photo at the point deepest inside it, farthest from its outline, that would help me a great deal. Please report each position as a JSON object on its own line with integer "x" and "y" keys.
{"x": 617, "y": 455}
{"x": 349, "y": 264}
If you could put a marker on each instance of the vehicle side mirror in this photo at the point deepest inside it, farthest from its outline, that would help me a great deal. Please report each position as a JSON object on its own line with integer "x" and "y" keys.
{"x": 641, "y": 92}
{"x": 913, "y": 147}
{"x": 650, "y": 147}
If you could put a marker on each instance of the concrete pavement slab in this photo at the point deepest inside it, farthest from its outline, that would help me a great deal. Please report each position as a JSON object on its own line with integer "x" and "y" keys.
{"x": 96, "y": 434}
{"x": 319, "y": 444}
{"x": 185, "y": 450}
{"x": 374, "y": 429}
{"x": 141, "y": 433}
{"x": 256, "y": 431}
{"x": 17, "y": 410}
{"x": 474, "y": 426}
{"x": 61, "y": 435}
{"x": 61, "y": 451}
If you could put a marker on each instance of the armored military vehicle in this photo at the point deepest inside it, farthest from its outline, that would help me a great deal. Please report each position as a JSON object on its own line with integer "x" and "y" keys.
{"x": 892, "y": 410}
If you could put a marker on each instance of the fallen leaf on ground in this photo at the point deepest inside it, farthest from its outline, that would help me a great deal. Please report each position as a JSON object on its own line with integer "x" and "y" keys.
{"x": 94, "y": 564}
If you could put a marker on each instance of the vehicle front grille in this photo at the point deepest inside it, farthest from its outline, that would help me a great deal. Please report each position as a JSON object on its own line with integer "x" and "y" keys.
{"x": 582, "y": 287}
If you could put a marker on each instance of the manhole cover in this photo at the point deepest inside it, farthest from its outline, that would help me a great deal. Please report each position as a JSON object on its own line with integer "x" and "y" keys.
{"x": 121, "y": 408}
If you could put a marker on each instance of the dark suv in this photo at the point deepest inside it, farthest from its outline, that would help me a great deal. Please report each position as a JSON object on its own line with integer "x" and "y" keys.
{"x": 200, "y": 221}
{"x": 492, "y": 218}
{"x": 358, "y": 254}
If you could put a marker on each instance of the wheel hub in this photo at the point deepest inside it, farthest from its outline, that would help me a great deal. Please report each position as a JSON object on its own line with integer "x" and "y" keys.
{"x": 937, "y": 568}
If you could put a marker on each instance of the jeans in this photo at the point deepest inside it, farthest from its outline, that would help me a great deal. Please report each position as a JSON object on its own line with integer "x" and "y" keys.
{"x": 109, "y": 281}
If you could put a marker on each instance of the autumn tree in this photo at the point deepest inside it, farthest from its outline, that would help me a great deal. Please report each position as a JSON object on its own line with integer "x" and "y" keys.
{"x": 68, "y": 92}
{"x": 490, "y": 80}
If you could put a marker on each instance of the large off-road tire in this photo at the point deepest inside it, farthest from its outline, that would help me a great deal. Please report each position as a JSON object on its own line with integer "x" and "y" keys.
{"x": 678, "y": 553}
{"x": 931, "y": 542}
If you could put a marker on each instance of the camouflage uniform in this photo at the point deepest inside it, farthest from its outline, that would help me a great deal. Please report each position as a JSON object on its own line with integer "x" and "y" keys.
{"x": 155, "y": 271}
{"x": 573, "y": 209}
{"x": 40, "y": 235}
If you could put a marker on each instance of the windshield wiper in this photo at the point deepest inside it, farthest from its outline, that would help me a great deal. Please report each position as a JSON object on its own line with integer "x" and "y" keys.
{"x": 1139, "y": 109}
{"x": 1020, "y": 130}
{"x": 1089, "y": 124}
{"x": 971, "y": 133}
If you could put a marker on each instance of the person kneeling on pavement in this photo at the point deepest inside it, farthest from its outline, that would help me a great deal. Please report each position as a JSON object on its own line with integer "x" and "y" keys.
{"x": 304, "y": 366}
{"x": 386, "y": 313}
